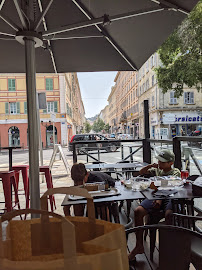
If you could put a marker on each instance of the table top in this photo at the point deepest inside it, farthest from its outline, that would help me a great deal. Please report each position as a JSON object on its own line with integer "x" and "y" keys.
{"x": 126, "y": 194}
{"x": 183, "y": 193}
{"x": 115, "y": 165}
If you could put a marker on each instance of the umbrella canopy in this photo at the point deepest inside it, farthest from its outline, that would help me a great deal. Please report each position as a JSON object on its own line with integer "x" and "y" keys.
{"x": 79, "y": 35}
{"x": 88, "y": 35}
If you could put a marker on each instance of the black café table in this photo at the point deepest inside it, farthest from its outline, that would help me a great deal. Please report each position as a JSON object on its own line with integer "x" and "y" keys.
{"x": 10, "y": 148}
{"x": 125, "y": 195}
{"x": 183, "y": 196}
{"x": 182, "y": 193}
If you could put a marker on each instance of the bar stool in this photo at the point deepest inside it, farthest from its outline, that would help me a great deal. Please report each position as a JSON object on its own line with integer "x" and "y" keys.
{"x": 8, "y": 180}
{"x": 49, "y": 183}
{"x": 25, "y": 178}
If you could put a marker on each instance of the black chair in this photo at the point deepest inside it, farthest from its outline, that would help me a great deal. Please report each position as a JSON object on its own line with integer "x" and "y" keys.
{"x": 182, "y": 206}
{"x": 174, "y": 245}
{"x": 196, "y": 245}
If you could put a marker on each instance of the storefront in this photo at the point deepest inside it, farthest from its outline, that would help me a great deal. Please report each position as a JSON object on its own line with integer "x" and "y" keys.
{"x": 182, "y": 123}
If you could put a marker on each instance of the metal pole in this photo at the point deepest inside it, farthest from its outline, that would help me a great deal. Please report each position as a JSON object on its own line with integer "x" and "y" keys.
{"x": 146, "y": 143}
{"x": 33, "y": 130}
{"x": 53, "y": 135}
{"x": 40, "y": 140}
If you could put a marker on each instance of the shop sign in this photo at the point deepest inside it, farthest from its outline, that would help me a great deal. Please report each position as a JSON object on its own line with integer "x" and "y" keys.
{"x": 182, "y": 117}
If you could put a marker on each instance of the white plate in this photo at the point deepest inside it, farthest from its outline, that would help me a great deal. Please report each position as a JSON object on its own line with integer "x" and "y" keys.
{"x": 97, "y": 193}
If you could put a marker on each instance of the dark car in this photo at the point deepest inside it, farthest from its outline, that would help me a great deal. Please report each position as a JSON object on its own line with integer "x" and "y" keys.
{"x": 101, "y": 142}
{"x": 196, "y": 144}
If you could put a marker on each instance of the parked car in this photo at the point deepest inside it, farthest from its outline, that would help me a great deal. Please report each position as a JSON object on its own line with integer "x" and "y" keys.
{"x": 196, "y": 144}
{"x": 125, "y": 137}
{"x": 108, "y": 146}
{"x": 112, "y": 135}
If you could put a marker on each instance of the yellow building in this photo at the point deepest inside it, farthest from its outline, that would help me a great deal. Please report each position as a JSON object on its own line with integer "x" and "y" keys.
{"x": 13, "y": 109}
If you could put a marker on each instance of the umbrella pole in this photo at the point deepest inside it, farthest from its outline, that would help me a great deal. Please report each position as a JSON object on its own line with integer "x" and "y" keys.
{"x": 33, "y": 131}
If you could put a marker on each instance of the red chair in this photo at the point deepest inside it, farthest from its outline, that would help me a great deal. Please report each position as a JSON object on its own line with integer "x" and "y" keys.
{"x": 49, "y": 183}
{"x": 9, "y": 180}
{"x": 25, "y": 178}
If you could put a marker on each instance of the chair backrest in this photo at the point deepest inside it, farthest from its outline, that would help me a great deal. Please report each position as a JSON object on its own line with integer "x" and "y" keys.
{"x": 174, "y": 249}
{"x": 174, "y": 245}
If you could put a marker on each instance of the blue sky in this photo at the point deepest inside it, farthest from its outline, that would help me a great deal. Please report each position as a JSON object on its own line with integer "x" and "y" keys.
{"x": 95, "y": 88}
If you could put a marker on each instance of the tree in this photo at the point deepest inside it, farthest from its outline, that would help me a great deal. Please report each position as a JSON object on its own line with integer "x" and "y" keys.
{"x": 87, "y": 127}
{"x": 107, "y": 128}
{"x": 181, "y": 56}
{"x": 98, "y": 125}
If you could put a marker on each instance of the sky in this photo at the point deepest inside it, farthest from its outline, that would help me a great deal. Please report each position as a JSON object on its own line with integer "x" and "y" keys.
{"x": 95, "y": 88}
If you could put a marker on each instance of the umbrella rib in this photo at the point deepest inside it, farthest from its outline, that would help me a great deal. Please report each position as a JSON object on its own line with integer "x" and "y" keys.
{"x": 172, "y": 6}
{"x": 40, "y": 19}
{"x": 20, "y": 14}
{"x": 9, "y": 21}
{"x": 107, "y": 36}
{"x": 7, "y": 34}
{"x": 94, "y": 22}
{"x": 65, "y": 38}
{"x": 49, "y": 44}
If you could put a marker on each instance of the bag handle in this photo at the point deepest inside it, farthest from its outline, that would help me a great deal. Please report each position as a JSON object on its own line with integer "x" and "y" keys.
{"x": 68, "y": 231}
{"x": 70, "y": 191}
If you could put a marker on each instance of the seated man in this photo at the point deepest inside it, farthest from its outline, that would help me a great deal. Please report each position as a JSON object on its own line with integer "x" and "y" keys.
{"x": 80, "y": 176}
{"x": 163, "y": 168}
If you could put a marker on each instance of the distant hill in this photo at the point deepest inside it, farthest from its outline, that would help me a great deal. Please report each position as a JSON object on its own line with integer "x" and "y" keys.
{"x": 92, "y": 118}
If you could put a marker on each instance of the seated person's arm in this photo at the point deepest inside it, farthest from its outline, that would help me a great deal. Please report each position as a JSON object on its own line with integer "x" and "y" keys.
{"x": 146, "y": 169}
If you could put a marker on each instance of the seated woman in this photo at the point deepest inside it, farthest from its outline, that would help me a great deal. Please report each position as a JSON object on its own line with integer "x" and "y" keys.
{"x": 80, "y": 176}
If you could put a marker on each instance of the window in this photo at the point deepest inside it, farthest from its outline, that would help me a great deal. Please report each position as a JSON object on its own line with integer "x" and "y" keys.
{"x": 11, "y": 85}
{"x": 189, "y": 97}
{"x": 49, "y": 84}
{"x": 173, "y": 99}
{"x": 147, "y": 66}
{"x": 153, "y": 101}
{"x": 152, "y": 61}
{"x": 143, "y": 88}
{"x": 147, "y": 84}
{"x": 152, "y": 80}
{"x": 52, "y": 106}
{"x": 12, "y": 107}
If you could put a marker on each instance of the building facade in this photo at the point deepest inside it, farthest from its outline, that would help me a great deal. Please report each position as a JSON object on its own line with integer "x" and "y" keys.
{"x": 13, "y": 109}
{"x": 168, "y": 116}
{"x": 125, "y": 92}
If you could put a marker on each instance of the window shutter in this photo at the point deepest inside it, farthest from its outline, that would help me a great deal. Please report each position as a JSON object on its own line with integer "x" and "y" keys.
{"x": 6, "y": 107}
{"x": 55, "y": 106}
{"x": 49, "y": 84}
{"x": 192, "y": 97}
{"x": 185, "y": 97}
{"x": 9, "y": 85}
{"x": 171, "y": 97}
{"x": 25, "y": 107}
{"x": 18, "y": 107}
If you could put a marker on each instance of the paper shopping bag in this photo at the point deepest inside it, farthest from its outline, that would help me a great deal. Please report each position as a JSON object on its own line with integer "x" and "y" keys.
{"x": 82, "y": 243}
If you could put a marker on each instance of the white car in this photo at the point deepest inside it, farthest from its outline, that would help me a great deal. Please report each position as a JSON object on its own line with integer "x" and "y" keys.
{"x": 125, "y": 137}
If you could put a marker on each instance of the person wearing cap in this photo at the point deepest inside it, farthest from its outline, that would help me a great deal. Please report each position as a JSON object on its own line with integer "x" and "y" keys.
{"x": 163, "y": 168}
